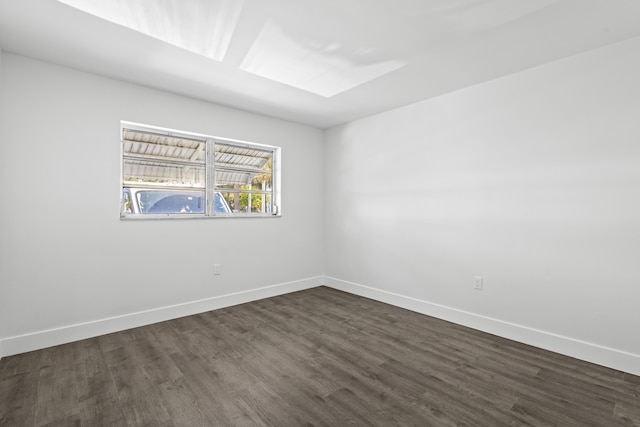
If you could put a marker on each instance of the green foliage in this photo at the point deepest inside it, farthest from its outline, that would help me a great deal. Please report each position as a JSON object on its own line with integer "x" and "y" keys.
{"x": 256, "y": 200}
{"x": 258, "y": 183}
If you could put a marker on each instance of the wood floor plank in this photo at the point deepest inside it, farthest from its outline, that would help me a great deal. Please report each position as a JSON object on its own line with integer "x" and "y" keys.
{"x": 318, "y": 357}
{"x": 627, "y": 414}
{"x": 18, "y": 380}
{"x": 271, "y": 407}
{"x": 137, "y": 393}
{"x": 98, "y": 403}
{"x": 17, "y": 400}
{"x": 215, "y": 401}
{"x": 57, "y": 395}
{"x": 299, "y": 383}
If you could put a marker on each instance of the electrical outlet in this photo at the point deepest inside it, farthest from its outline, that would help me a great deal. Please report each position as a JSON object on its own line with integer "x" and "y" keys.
{"x": 216, "y": 269}
{"x": 477, "y": 283}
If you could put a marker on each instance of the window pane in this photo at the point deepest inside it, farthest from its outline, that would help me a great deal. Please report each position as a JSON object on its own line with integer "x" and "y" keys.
{"x": 170, "y": 201}
{"x": 242, "y": 166}
{"x": 244, "y": 177}
{"x": 239, "y": 202}
{"x": 153, "y": 159}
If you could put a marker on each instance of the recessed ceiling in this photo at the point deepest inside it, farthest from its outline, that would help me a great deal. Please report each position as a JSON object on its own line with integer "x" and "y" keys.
{"x": 311, "y": 64}
{"x": 320, "y": 63}
{"x": 205, "y": 27}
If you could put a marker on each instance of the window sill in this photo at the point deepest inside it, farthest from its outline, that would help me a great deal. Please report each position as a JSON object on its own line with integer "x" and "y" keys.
{"x": 137, "y": 217}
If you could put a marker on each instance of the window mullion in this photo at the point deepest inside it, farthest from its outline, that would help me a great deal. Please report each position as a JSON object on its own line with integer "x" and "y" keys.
{"x": 210, "y": 178}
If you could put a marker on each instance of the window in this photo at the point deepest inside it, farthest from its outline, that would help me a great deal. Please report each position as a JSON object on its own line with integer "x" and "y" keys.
{"x": 168, "y": 173}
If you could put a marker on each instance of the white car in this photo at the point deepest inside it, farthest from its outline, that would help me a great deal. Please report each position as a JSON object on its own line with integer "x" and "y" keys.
{"x": 168, "y": 201}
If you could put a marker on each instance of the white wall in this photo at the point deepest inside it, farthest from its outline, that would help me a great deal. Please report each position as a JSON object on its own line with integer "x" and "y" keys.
{"x": 70, "y": 268}
{"x": 531, "y": 181}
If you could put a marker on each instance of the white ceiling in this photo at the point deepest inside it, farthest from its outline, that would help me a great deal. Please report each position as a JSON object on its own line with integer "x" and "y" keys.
{"x": 320, "y": 63}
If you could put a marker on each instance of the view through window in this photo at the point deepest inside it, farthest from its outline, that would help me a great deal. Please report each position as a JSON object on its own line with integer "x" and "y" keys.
{"x": 170, "y": 173}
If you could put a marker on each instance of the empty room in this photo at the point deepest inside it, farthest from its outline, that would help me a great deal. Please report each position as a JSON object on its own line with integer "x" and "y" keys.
{"x": 327, "y": 213}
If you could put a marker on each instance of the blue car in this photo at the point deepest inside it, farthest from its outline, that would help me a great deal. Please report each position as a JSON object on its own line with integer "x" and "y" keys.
{"x": 169, "y": 201}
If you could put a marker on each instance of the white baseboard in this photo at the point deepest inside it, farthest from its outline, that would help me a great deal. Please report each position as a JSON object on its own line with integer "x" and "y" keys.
{"x": 578, "y": 349}
{"x": 51, "y": 337}
{"x": 590, "y": 352}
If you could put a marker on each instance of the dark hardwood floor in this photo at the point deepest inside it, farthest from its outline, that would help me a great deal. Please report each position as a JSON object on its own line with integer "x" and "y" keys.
{"x": 318, "y": 357}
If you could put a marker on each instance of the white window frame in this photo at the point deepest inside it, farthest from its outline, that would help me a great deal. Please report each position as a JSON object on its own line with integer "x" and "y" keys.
{"x": 210, "y": 169}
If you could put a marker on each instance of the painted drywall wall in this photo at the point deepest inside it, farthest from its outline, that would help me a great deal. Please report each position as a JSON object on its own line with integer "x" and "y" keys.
{"x": 66, "y": 257}
{"x": 531, "y": 181}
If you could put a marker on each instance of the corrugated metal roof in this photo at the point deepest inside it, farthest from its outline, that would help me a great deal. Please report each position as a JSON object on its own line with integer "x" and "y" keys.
{"x": 149, "y": 171}
{"x": 172, "y": 160}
